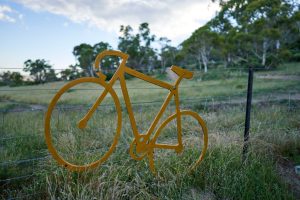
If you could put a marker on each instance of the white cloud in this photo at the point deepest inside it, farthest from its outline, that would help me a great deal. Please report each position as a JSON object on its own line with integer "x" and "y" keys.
{"x": 5, "y": 12}
{"x": 175, "y": 19}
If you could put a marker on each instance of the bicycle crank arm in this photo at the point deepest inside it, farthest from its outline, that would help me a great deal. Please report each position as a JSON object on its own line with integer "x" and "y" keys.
{"x": 178, "y": 148}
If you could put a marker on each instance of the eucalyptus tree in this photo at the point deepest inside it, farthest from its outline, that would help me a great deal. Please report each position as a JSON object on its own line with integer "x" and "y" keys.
{"x": 108, "y": 63}
{"x": 40, "y": 70}
{"x": 201, "y": 44}
{"x": 226, "y": 34}
{"x": 50, "y": 76}
{"x": 5, "y": 78}
{"x": 167, "y": 53}
{"x": 86, "y": 54}
{"x": 291, "y": 36}
{"x": 257, "y": 28}
{"x": 70, "y": 73}
{"x": 11, "y": 78}
{"x": 138, "y": 46}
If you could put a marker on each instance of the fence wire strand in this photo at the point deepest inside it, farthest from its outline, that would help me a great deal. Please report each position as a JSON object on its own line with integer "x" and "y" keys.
{"x": 212, "y": 101}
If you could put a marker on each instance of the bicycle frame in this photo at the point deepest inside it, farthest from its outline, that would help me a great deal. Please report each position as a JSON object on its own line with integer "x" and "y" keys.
{"x": 142, "y": 140}
{"x": 142, "y": 145}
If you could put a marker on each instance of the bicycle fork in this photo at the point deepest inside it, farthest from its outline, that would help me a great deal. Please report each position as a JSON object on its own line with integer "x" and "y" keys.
{"x": 83, "y": 122}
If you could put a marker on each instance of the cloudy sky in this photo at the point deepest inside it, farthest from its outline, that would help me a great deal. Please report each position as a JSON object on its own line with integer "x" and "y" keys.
{"x": 49, "y": 29}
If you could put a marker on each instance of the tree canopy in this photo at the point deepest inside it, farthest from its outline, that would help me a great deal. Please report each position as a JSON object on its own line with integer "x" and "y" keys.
{"x": 257, "y": 33}
{"x": 40, "y": 70}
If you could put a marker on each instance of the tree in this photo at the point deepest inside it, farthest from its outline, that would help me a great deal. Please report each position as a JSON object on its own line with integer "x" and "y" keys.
{"x": 86, "y": 54}
{"x": 167, "y": 53}
{"x": 11, "y": 78}
{"x": 226, "y": 44}
{"x": 291, "y": 37}
{"x": 40, "y": 70}
{"x": 5, "y": 78}
{"x": 138, "y": 46}
{"x": 258, "y": 28}
{"x": 109, "y": 63}
{"x": 71, "y": 73}
{"x": 50, "y": 76}
{"x": 201, "y": 44}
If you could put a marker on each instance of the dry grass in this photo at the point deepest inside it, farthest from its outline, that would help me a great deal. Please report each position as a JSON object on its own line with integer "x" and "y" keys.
{"x": 221, "y": 175}
{"x": 274, "y": 135}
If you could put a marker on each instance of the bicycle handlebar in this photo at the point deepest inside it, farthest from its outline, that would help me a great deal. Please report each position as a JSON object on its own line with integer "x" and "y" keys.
{"x": 101, "y": 55}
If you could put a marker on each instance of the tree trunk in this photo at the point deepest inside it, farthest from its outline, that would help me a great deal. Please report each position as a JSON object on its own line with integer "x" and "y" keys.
{"x": 205, "y": 67}
{"x": 204, "y": 59}
{"x": 163, "y": 66}
{"x": 199, "y": 62}
{"x": 228, "y": 61}
{"x": 263, "y": 61}
{"x": 91, "y": 71}
{"x": 149, "y": 67}
{"x": 277, "y": 45}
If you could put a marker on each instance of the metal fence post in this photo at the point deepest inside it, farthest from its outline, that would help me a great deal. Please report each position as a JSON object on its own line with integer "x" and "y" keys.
{"x": 248, "y": 111}
{"x": 3, "y": 113}
{"x": 289, "y": 100}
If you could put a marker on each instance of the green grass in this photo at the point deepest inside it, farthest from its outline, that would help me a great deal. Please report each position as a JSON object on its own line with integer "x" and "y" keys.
{"x": 138, "y": 93}
{"x": 274, "y": 137}
{"x": 288, "y": 69}
{"x": 235, "y": 84}
{"x": 221, "y": 175}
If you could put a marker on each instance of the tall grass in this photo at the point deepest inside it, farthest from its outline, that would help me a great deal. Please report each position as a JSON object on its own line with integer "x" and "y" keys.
{"x": 222, "y": 175}
{"x": 30, "y": 173}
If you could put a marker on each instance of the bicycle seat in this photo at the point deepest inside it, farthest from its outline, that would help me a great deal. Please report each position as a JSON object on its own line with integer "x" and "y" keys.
{"x": 182, "y": 72}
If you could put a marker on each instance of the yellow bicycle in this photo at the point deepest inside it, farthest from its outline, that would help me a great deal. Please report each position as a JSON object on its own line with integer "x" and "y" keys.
{"x": 143, "y": 144}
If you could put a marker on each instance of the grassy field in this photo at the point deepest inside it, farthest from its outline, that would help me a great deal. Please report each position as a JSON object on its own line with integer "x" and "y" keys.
{"x": 27, "y": 171}
{"x": 221, "y": 83}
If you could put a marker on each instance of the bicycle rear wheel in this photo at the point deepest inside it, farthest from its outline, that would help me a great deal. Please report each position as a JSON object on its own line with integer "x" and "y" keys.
{"x": 80, "y": 149}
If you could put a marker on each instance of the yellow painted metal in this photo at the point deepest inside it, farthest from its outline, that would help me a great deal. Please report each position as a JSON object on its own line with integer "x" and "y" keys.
{"x": 51, "y": 107}
{"x": 142, "y": 145}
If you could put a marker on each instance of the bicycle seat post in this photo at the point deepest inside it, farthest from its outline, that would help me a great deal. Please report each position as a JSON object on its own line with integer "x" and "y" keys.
{"x": 177, "y": 82}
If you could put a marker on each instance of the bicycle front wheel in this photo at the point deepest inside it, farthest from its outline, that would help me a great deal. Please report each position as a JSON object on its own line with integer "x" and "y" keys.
{"x": 76, "y": 148}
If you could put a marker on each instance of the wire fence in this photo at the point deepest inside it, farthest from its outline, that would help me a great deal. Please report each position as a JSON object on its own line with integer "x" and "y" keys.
{"x": 9, "y": 137}
{"x": 33, "y": 174}
{"x": 208, "y": 102}
{"x": 92, "y": 89}
{"x": 146, "y": 69}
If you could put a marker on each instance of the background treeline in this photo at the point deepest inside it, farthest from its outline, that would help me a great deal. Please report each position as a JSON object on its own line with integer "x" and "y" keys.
{"x": 257, "y": 33}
